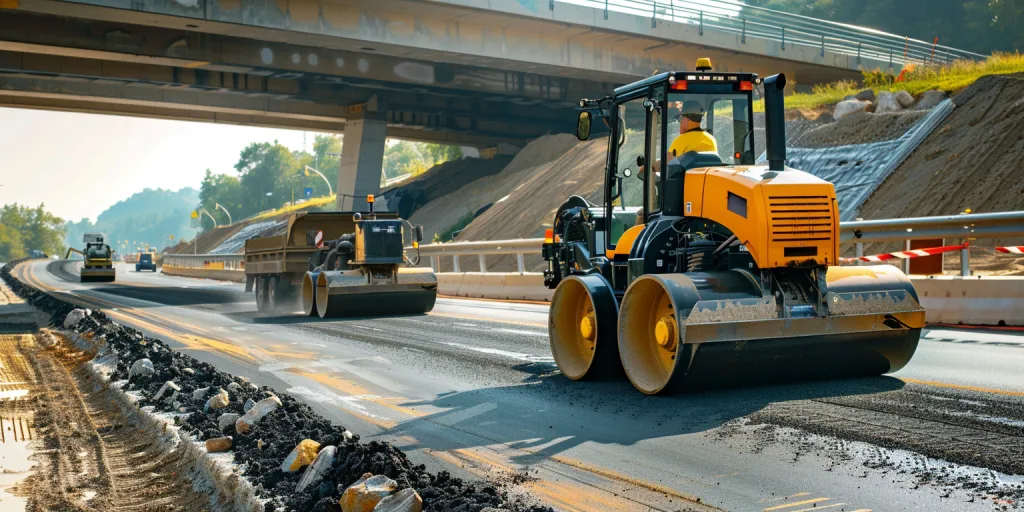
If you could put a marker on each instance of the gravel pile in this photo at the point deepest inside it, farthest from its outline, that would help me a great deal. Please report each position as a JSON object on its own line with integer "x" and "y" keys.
{"x": 261, "y": 450}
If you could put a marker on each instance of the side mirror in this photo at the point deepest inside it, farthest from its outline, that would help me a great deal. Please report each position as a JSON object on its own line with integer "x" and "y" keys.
{"x": 583, "y": 126}
{"x": 417, "y": 232}
{"x": 640, "y": 161}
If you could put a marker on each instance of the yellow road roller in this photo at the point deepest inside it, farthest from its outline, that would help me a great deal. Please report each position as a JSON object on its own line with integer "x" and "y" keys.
{"x": 702, "y": 268}
{"x": 99, "y": 263}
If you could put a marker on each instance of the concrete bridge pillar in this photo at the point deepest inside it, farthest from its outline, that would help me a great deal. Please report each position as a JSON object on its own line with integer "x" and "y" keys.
{"x": 362, "y": 158}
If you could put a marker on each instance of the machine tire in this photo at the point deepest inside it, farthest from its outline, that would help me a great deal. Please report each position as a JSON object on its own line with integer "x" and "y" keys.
{"x": 582, "y": 328}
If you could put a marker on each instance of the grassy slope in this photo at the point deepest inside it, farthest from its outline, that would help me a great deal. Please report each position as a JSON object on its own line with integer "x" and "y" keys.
{"x": 948, "y": 78}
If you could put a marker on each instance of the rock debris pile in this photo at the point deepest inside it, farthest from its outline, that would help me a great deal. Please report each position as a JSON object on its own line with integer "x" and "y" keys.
{"x": 295, "y": 458}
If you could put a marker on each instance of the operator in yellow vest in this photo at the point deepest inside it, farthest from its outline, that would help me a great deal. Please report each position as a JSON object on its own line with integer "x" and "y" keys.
{"x": 691, "y": 136}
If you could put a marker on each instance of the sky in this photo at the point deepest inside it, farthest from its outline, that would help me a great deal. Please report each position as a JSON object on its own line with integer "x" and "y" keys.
{"x": 81, "y": 164}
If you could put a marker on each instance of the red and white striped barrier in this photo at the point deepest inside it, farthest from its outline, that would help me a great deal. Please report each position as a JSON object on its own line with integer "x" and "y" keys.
{"x": 913, "y": 253}
{"x": 1013, "y": 249}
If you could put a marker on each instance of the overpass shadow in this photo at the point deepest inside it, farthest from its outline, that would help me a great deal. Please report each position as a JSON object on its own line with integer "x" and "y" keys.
{"x": 175, "y": 295}
{"x": 548, "y": 414}
{"x": 297, "y": 317}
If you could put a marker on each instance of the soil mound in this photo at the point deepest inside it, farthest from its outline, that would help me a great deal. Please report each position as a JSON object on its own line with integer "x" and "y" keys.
{"x": 859, "y": 128}
{"x": 972, "y": 161}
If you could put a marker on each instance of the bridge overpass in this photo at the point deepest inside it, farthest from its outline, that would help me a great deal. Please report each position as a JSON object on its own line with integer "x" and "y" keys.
{"x": 469, "y": 72}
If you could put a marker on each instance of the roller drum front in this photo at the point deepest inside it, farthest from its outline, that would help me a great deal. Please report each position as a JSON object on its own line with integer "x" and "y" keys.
{"x": 710, "y": 329}
{"x": 351, "y": 293}
{"x": 309, "y": 293}
{"x": 581, "y": 327}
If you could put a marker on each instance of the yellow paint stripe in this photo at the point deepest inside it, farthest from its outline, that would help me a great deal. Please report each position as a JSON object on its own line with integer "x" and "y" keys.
{"x": 785, "y": 498}
{"x": 196, "y": 64}
{"x": 612, "y": 475}
{"x": 818, "y": 508}
{"x": 963, "y": 387}
{"x": 797, "y": 504}
{"x": 9, "y": 4}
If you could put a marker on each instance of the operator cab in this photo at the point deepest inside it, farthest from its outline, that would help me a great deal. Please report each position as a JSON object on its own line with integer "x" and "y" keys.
{"x": 649, "y": 116}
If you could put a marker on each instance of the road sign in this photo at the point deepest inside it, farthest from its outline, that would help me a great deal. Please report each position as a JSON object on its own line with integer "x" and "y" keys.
{"x": 309, "y": 192}
{"x": 195, "y": 214}
{"x": 319, "y": 240}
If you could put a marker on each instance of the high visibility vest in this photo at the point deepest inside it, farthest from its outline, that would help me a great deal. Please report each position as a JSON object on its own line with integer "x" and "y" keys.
{"x": 693, "y": 140}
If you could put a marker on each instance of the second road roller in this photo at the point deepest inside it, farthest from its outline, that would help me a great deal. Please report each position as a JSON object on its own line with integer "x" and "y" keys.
{"x": 703, "y": 268}
{"x": 339, "y": 264}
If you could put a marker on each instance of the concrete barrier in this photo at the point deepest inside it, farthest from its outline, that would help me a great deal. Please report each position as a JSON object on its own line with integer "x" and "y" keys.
{"x": 974, "y": 300}
{"x": 236, "y": 276}
{"x": 494, "y": 285}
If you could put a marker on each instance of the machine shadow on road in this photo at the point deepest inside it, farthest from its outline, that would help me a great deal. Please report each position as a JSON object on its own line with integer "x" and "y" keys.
{"x": 549, "y": 414}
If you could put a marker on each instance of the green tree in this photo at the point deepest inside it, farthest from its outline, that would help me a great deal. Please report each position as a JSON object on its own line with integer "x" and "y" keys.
{"x": 24, "y": 229}
{"x": 263, "y": 170}
{"x": 326, "y": 151}
{"x": 224, "y": 190}
{"x": 403, "y": 158}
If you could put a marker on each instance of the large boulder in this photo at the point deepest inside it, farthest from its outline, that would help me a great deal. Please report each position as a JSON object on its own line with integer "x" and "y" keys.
{"x": 301, "y": 456}
{"x": 366, "y": 493}
{"x": 75, "y": 316}
{"x": 930, "y": 99}
{"x": 256, "y": 413}
{"x": 904, "y": 99}
{"x": 315, "y": 472}
{"x": 886, "y": 102}
{"x": 866, "y": 95}
{"x": 406, "y": 500}
{"x": 847, "y": 107}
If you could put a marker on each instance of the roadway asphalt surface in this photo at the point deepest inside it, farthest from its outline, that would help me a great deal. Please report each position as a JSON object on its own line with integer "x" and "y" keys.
{"x": 471, "y": 387}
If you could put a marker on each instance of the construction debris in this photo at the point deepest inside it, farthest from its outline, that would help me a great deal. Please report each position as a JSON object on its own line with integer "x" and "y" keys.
{"x": 301, "y": 456}
{"x": 366, "y": 493}
{"x": 273, "y": 427}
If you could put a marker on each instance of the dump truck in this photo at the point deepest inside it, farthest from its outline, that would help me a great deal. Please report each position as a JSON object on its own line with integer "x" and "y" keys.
{"x": 704, "y": 268}
{"x": 99, "y": 264}
{"x": 340, "y": 264}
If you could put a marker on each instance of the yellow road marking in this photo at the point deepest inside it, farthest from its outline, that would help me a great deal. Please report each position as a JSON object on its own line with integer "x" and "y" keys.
{"x": 964, "y": 387}
{"x": 796, "y": 504}
{"x": 797, "y": 495}
{"x": 612, "y": 475}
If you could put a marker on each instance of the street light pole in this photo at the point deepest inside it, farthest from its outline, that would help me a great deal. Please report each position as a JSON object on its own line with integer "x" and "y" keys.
{"x": 225, "y": 210}
{"x": 330, "y": 189}
{"x": 203, "y": 210}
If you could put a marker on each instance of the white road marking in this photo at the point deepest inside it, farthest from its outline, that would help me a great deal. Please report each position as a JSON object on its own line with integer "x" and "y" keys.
{"x": 520, "y": 331}
{"x": 514, "y": 355}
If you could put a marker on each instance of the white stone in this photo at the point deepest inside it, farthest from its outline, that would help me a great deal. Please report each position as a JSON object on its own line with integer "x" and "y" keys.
{"x": 227, "y": 419}
{"x": 886, "y": 102}
{"x": 904, "y": 99}
{"x": 217, "y": 401}
{"x": 315, "y": 472}
{"x": 256, "y": 413}
{"x": 141, "y": 368}
{"x": 847, "y": 107}
{"x": 74, "y": 317}
{"x": 169, "y": 385}
{"x": 406, "y": 500}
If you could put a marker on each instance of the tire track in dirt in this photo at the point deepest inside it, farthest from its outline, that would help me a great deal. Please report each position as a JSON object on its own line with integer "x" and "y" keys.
{"x": 89, "y": 458}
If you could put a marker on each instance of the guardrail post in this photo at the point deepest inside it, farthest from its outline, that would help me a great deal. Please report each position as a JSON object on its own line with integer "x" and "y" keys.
{"x": 783, "y": 38}
{"x": 520, "y": 263}
{"x": 890, "y": 58}
{"x": 858, "y": 52}
{"x": 605, "y": 9}
{"x": 701, "y": 26}
{"x": 965, "y": 261}
{"x": 654, "y": 14}
{"x": 906, "y": 261}
{"x": 483, "y": 264}
{"x": 455, "y": 262}
{"x": 823, "y": 45}
{"x": 743, "y": 37}
{"x": 860, "y": 252}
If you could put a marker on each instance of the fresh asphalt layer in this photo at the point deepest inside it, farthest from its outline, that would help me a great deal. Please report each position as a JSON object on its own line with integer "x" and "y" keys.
{"x": 471, "y": 387}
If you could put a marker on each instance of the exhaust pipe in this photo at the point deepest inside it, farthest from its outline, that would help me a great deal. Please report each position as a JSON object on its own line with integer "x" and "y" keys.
{"x": 775, "y": 121}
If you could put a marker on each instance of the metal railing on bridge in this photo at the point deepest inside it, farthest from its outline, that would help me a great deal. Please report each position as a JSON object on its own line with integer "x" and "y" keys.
{"x": 961, "y": 227}
{"x": 787, "y": 29}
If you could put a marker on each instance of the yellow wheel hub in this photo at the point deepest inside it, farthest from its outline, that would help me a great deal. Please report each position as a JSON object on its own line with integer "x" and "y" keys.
{"x": 665, "y": 332}
{"x": 588, "y": 327}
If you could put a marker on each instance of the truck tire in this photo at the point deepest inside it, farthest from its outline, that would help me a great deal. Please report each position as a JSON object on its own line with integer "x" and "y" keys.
{"x": 261, "y": 293}
{"x": 272, "y": 294}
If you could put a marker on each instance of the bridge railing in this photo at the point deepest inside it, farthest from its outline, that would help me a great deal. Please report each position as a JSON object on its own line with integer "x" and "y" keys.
{"x": 787, "y": 29}
{"x": 963, "y": 227}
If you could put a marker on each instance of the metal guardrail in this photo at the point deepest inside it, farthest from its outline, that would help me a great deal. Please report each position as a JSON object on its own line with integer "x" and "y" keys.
{"x": 963, "y": 227}
{"x": 787, "y": 29}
